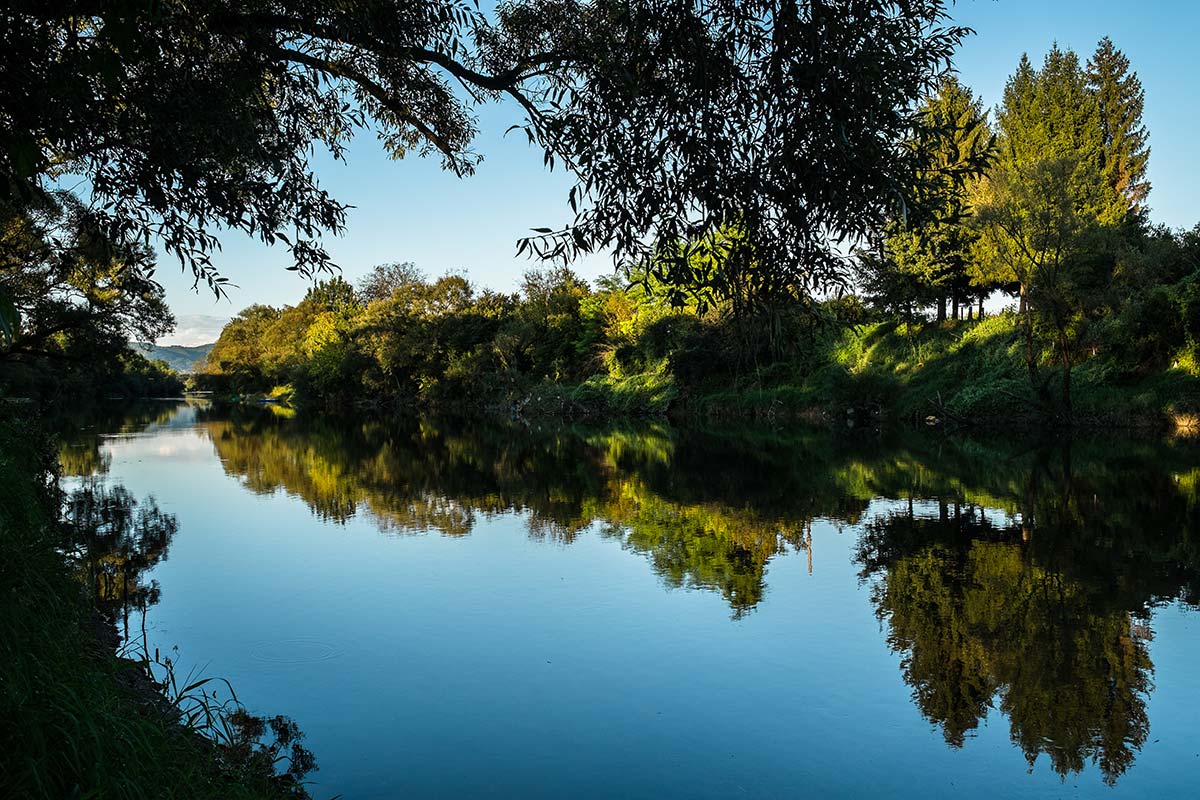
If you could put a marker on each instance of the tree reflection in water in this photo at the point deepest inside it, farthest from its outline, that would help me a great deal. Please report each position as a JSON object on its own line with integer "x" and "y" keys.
{"x": 1045, "y": 610}
{"x": 114, "y": 540}
{"x": 1007, "y": 577}
{"x": 976, "y": 617}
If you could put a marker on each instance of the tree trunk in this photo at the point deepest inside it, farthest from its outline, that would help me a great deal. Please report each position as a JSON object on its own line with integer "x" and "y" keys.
{"x": 981, "y": 307}
{"x": 1027, "y": 320}
{"x": 941, "y": 309}
{"x": 1065, "y": 355}
{"x": 954, "y": 307}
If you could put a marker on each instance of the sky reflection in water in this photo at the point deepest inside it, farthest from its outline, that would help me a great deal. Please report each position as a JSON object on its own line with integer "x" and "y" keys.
{"x": 464, "y": 610}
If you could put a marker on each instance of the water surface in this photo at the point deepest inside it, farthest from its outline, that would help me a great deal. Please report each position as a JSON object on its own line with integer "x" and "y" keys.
{"x": 463, "y": 610}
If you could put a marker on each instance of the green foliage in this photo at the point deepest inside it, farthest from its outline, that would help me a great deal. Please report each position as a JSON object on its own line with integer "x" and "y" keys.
{"x": 1120, "y": 101}
{"x": 970, "y": 372}
{"x": 782, "y": 123}
{"x": 1057, "y": 217}
{"x": 401, "y": 340}
{"x": 1054, "y": 209}
{"x": 704, "y": 323}
{"x": 562, "y": 349}
{"x": 141, "y": 377}
{"x": 787, "y": 120}
{"x": 927, "y": 252}
{"x": 71, "y": 297}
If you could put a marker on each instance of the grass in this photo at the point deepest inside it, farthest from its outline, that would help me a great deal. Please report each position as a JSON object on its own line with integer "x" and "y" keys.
{"x": 965, "y": 371}
{"x": 641, "y": 394}
{"x": 77, "y": 721}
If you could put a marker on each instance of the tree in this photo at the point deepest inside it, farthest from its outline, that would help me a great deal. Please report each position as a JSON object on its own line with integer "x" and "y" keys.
{"x": 785, "y": 122}
{"x": 958, "y": 148}
{"x": 238, "y": 351}
{"x": 1045, "y": 204}
{"x": 927, "y": 251}
{"x": 385, "y": 279}
{"x": 77, "y": 294}
{"x": 1051, "y": 113}
{"x": 1121, "y": 99}
{"x": 1036, "y": 234}
{"x": 675, "y": 117}
{"x": 550, "y": 325}
{"x": 334, "y": 294}
{"x": 885, "y": 285}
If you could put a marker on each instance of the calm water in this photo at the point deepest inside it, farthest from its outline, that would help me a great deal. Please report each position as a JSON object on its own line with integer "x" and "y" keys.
{"x": 451, "y": 610}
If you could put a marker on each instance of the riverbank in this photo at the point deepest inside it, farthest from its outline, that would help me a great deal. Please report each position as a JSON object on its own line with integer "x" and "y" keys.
{"x": 964, "y": 373}
{"x": 76, "y": 718}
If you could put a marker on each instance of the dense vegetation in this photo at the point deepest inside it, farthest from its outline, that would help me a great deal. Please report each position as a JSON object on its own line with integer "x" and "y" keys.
{"x": 73, "y": 299}
{"x": 1047, "y": 206}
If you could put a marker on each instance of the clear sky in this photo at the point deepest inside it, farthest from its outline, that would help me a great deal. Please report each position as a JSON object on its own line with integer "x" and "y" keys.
{"x": 412, "y": 211}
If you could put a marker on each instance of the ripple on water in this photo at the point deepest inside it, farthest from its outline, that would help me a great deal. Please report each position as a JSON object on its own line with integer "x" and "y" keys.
{"x": 294, "y": 651}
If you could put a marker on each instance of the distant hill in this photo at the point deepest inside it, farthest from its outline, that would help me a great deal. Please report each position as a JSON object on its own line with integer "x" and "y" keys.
{"x": 178, "y": 357}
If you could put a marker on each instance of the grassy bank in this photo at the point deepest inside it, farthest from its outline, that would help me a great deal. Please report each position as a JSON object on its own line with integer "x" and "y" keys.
{"x": 76, "y": 720}
{"x": 967, "y": 372}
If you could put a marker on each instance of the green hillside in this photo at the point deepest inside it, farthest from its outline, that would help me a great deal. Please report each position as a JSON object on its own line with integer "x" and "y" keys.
{"x": 178, "y": 357}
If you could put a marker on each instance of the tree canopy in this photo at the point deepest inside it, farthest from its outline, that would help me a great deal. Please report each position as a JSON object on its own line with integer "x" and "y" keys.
{"x": 675, "y": 117}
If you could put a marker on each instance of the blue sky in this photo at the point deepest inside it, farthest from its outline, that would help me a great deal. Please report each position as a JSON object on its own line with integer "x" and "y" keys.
{"x": 410, "y": 210}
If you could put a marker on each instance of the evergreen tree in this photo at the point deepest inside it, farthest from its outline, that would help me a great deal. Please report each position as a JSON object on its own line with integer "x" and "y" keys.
{"x": 1052, "y": 114}
{"x": 1120, "y": 100}
{"x": 1046, "y": 204}
{"x": 1017, "y": 112}
{"x": 962, "y": 147}
{"x": 930, "y": 251}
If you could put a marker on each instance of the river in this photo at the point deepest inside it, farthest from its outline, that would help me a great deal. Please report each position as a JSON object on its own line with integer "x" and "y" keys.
{"x": 454, "y": 609}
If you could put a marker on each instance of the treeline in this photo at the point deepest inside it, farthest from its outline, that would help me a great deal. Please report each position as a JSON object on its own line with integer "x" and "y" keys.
{"x": 399, "y": 339}
{"x": 88, "y": 100}
{"x": 115, "y": 373}
{"x": 1046, "y": 205}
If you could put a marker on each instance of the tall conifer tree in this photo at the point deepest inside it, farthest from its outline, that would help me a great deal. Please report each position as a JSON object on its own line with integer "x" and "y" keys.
{"x": 927, "y": 255}
{"x": 1120, "y": 100}
{"x": 1046, "y": 202}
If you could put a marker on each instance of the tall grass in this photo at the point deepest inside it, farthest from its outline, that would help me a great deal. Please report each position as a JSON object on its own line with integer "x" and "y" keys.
{"x": 76, "y": 720}
{"x": 965, "y": 371}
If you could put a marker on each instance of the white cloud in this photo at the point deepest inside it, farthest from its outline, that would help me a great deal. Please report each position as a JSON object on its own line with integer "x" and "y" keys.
{"x": 194, "y": 329}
